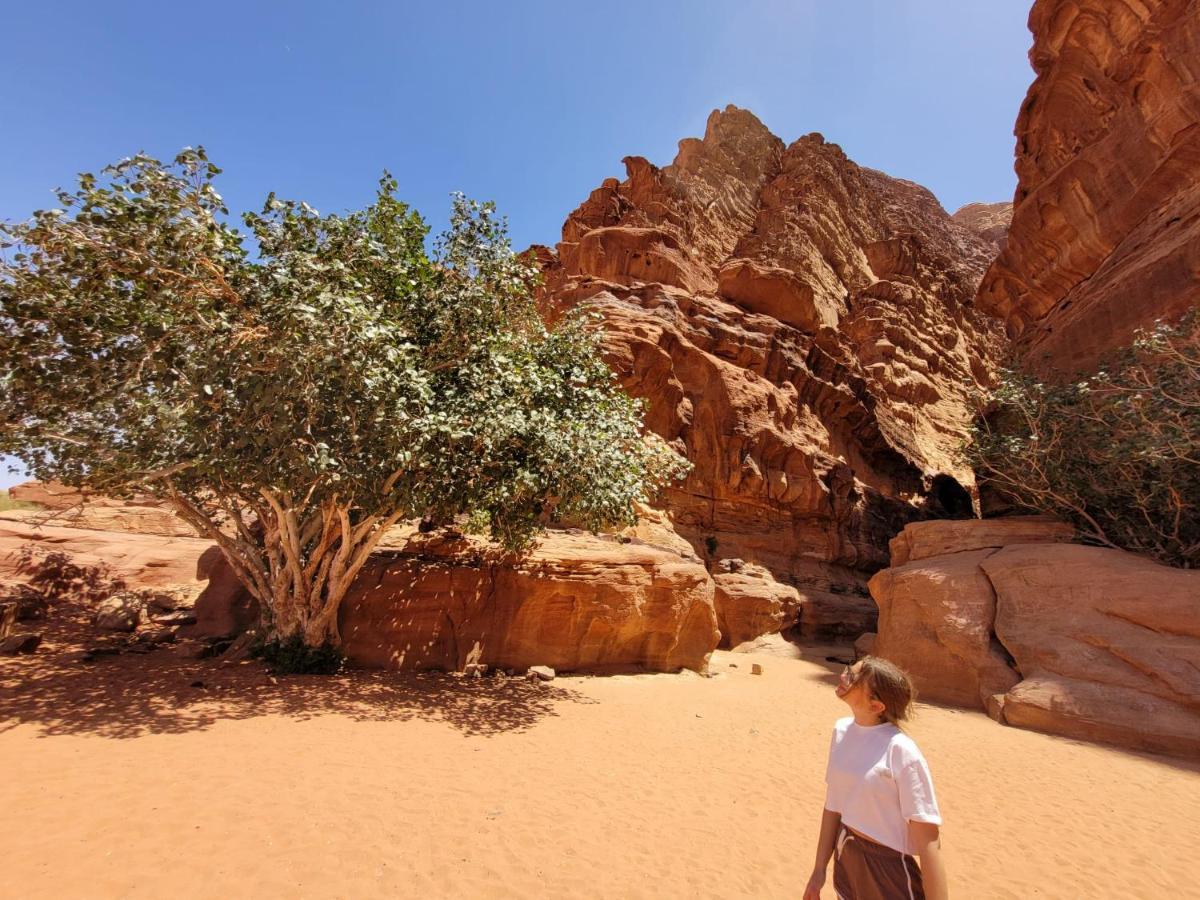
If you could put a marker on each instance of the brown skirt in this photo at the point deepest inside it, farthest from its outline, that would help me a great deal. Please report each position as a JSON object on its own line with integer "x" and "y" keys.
{"x": 866, "y": 870}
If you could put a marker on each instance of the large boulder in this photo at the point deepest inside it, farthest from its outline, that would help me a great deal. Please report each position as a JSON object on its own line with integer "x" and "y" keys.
{"x": 121, "y": 611}
{"x": 1116, "y": 637}
{"x": 577, "y": 603}
{"x": 1088, "y": 642}
{"x": 935, "y": 620}
{"x": 751, "y": 603}
{"x": 937, "y": 537}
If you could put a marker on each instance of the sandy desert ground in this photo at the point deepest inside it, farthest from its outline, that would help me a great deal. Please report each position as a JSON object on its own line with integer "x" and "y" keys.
{"x": 121, "y": 779}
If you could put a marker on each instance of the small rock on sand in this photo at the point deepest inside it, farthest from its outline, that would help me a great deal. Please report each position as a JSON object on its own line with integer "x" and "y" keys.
{"x": 22, "y": 642}
{"x": 120, "y": 612}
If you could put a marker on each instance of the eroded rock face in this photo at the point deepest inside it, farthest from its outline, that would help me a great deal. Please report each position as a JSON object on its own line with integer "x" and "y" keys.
{"x": 802, "y": 329}
{"x": 577, "y": 603}
{"x": 1111, "y": 641}
{"x": 990, "y": 221}
{"x": 751, "y": 603}
{"x": 935, "y": 619}
{"x": 1105, "y": 234}
{"x": 97, "y": 562}
{"x": 1087, "y": 642}
{"x": 938, "y": 537}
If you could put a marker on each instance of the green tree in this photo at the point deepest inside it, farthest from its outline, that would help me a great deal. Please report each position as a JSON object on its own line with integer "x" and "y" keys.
{"x": 1117, "y": 453}
{"x": 295, "y": 402}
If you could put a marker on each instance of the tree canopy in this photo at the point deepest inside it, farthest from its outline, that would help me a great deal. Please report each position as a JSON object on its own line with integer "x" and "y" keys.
{"x": 295, "y": 390}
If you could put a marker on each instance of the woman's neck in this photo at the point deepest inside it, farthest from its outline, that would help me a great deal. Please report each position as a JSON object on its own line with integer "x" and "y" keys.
{"x": 867, "y": 719}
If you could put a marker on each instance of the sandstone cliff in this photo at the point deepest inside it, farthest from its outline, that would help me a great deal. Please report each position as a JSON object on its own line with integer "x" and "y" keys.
{"x": 803, "y": 331}
{"x": 1105, "y": 234}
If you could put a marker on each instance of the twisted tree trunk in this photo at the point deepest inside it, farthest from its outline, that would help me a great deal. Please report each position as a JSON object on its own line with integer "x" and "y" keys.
{"x": 298, "y": 561}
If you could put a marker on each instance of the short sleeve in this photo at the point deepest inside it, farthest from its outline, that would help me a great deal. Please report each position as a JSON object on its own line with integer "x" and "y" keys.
{"x": 833, "y": 802}
{"x": 915, "y": 785}
{"x": 829, "y": 760}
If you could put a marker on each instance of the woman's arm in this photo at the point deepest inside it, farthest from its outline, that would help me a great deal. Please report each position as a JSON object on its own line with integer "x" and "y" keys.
{"x": 926, "y": 842}
{"x": 830, "y": 822}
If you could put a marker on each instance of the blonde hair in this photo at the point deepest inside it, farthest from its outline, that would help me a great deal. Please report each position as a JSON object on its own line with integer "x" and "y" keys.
{"x": 890, "y": 685}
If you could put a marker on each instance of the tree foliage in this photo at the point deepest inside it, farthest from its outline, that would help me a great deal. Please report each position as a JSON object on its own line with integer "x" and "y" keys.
{"x": 295, "y": 394}
{"x": 1117, "y": 453}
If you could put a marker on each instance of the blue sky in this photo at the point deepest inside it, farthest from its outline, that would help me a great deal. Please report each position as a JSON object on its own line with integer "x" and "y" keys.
{"x": 530, "y": 103}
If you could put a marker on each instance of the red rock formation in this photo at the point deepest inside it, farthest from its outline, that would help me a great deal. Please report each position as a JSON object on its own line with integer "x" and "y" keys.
{"x": 108, "y": 559}
{"x": 802, "y": 329}
{"x": 922, "y": 540}
{"x": 1082, "y": 641}
{"x": 1105, "y": 235}
{"x": 751, "y": 603}
{"x": 60, "y": 505}
{"x": 990, "y": 221}
{"x": 578, "y": 603}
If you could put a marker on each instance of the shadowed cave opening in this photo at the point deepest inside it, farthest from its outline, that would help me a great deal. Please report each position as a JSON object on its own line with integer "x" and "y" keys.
{"x": 953, "y": 499}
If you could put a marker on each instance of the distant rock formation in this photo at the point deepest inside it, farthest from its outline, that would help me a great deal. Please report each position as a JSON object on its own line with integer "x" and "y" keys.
{"x": 1105, "y": 234}
{"x": 1087, "y": 642}
{"x": 59, "y": 505}
{"x": 988, "y": 220}
{"x": 802, "y": 329}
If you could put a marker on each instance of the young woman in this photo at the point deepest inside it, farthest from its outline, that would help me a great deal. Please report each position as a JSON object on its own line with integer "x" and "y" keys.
{"x": 880, "y": 809}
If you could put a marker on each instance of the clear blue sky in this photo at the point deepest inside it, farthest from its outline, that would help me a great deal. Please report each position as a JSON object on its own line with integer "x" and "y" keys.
{"x": 530, "y": 103}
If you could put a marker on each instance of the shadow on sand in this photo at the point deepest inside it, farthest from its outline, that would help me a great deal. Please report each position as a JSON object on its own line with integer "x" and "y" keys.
{"x": 160, "y": 692}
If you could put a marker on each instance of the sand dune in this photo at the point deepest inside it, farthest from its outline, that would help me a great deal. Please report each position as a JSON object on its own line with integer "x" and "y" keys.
{"x": 121, "y": 780}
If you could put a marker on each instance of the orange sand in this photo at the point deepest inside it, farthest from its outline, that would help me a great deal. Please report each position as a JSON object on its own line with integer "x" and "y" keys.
{"x": 120, "y": 780}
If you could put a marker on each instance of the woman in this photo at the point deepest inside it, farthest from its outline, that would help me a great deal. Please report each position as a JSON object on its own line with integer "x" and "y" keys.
{"x": 880, "y": 809}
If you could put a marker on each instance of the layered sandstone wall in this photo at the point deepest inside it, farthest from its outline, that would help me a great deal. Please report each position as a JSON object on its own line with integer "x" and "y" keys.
{"x": 803, "y": 331}
{"x": 1105, "y": 234}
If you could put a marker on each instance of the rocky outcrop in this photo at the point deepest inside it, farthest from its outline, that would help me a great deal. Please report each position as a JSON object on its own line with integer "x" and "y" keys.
{"x": 1105, "y": 234}
{"x": 922, "y": 540}
{"x": 751, "y": 603}
{"x": 1087, "y": 642}
{"x": 990, "y": 221}
{"x": 59, "y": 505}
{"x": 936, "y": 618}
{"x": 802, "y": 330}
{"x": 639, "y": 600}
{"x": 577, "y": 602}
{"x": 96, "y": 562}
{"x": 1109, "y": 643}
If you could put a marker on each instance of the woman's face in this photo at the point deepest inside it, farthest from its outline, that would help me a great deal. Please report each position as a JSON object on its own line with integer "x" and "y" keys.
{"x": 850, "y": 679}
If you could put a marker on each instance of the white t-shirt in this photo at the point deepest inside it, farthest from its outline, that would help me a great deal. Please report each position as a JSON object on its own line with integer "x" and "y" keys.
{"x": 878, "y": 780}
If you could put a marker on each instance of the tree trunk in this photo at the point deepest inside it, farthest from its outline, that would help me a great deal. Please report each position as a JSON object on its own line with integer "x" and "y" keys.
{"x": 297, "y": 560}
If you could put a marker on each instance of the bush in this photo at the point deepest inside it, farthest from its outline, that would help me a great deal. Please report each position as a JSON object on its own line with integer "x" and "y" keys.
{"x": 1116, "y": 453}
{"x": 291, "y": 656}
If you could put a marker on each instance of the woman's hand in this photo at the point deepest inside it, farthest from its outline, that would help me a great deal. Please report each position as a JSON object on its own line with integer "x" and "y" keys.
{"x": 816, "y": 881}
